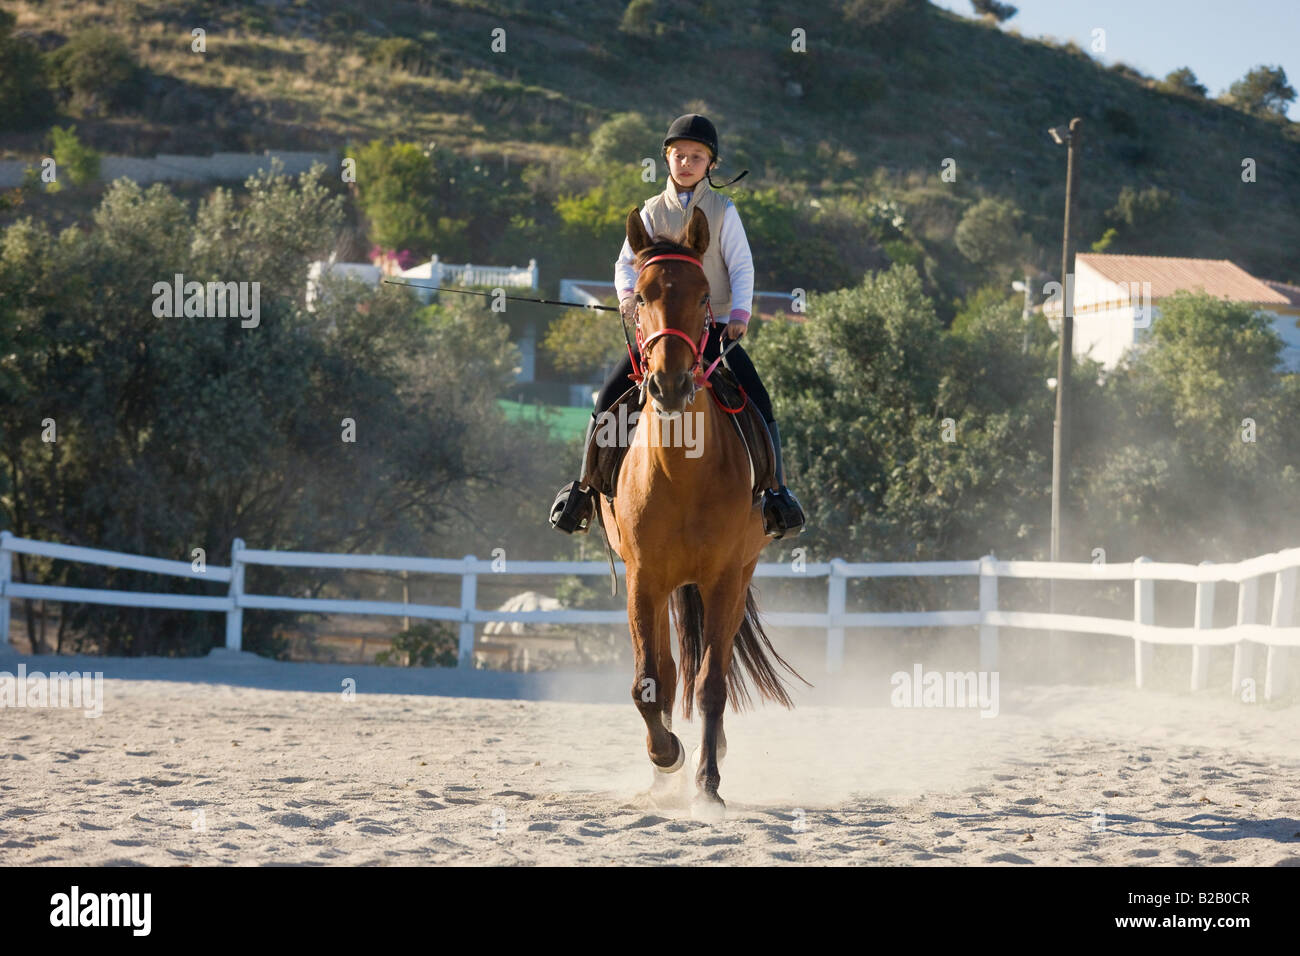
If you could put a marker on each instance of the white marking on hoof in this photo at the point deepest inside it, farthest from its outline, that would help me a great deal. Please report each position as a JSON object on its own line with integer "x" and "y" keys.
{"x": 681, "y": 758}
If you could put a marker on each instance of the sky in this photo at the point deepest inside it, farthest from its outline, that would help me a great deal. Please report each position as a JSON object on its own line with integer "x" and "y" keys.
{"x": 1220, "y": 40}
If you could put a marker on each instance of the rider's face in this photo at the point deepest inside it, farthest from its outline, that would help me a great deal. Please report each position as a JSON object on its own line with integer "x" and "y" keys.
{"x": 688, "y": 161}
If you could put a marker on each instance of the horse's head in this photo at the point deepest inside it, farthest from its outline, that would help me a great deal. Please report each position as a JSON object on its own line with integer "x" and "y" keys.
{"x": 672, "y": 296}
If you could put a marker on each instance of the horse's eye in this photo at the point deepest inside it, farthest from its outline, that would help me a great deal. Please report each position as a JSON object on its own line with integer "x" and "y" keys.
{"x": 639, "y": 299}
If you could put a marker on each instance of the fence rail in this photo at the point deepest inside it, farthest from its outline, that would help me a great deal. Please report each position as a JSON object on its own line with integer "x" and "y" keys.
{"x": 1278, "y": 635}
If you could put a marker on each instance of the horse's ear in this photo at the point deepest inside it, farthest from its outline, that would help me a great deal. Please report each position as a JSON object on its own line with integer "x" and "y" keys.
{"x": 697, "y": 233}
{"x": 637, "y": 237}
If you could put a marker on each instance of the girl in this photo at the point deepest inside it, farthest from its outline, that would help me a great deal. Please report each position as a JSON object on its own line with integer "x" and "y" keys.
{"x": 691, "y": 151}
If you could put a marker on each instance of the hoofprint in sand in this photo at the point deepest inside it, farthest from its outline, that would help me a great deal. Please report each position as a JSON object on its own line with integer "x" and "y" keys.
{"x": 254, "y": 762}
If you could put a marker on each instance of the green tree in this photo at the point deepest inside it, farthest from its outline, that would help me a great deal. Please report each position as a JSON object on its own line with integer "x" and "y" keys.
{"x": 96, "y": 68}
{"x": 72, "y": 157}
{"x": 25, "y": 100}
{"x": 1183, "y": 82}
{"x": 395, "y": 186}
{"x": 625, "y": 138}
{"x": 1001, "y": 12}
{"x": 1139, "y": 215}
{"x": 1171, "y": 467}
{"x": 872, "y": 374}
{"x": 1263, "y": 91}
{"x": 582, "y": 342}
{"x": 638, "y": 18}
{"x": 176, "y": 433}
{"x": 989, "y": 235}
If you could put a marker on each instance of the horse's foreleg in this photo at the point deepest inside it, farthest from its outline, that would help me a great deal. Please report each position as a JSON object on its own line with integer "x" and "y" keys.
{"x": 652, "y": 685}
{"x": 667, "y": 672}
{"x": 724, "y": 608}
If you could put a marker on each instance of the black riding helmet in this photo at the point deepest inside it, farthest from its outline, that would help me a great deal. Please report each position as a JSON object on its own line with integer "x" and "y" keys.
{"x": 695, "y": 127}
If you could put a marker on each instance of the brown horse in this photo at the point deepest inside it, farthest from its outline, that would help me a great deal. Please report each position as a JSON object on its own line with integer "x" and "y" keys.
{"x": 686, "y": 525}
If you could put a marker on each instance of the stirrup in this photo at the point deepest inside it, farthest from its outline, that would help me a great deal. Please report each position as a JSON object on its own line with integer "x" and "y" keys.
{"x": 782, "y": 515}
{"x": 572, "y": 509}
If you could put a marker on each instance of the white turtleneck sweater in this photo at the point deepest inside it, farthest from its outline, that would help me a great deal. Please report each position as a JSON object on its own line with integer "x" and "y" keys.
{"x": 735, "y": 256}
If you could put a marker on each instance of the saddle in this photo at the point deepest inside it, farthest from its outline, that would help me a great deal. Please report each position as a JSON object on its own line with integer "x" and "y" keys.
{"x": 604, "y": 460}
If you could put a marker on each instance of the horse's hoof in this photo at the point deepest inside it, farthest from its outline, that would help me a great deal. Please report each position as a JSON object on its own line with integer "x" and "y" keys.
{"x": 678, "y": 762}
{"x": 708, "y": 808}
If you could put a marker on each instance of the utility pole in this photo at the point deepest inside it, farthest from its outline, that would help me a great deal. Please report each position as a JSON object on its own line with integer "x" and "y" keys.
{"x": 1069, "y": 138}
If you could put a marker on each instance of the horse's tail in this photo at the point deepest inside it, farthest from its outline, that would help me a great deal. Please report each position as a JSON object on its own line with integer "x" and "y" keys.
{"x": 753, "y": 659}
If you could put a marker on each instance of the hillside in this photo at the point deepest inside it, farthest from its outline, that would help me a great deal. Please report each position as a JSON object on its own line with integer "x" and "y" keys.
{"x": 886, "y": 91}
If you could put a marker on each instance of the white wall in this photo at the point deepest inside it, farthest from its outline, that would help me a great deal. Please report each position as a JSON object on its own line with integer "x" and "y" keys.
{"x": 1106, "y": 334}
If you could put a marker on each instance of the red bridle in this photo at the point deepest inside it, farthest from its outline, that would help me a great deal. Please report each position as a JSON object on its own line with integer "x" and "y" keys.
{"x": 643, "y": 343}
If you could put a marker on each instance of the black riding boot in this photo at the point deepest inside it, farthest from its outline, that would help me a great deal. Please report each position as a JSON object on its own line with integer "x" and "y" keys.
{"x": 782, "y": 515}
{"x": 574, "y": 507}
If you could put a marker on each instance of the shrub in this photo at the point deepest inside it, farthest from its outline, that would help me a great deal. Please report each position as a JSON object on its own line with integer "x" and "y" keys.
{"x": 624, "y": 138}
{"x": 71, "y": 156}
{"x": 95, "y": 67}
{"x": 1139, "y": 211}
{"x": 987, "y": 234}
{"x": 638, "y": 18}
{"x": 431, "y": 644}
{"x": 398, "y": 53}
{"x": 1182, "y": 82}
{"x": 25, "y": 101}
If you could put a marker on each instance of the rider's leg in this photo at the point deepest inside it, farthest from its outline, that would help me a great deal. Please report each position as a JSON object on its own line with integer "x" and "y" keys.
{"x": 782, "y": 515}
{"x": 574, "y": 506}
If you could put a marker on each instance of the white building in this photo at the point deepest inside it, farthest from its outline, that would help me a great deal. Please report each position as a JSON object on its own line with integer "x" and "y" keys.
{"x": 1116, "y": 299}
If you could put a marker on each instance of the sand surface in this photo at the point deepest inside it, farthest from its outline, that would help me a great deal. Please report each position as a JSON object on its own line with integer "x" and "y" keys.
{"x": 233, "y": 761}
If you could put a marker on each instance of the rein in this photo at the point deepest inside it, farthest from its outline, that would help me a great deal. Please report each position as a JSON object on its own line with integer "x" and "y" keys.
{"x": 644, "y": 342}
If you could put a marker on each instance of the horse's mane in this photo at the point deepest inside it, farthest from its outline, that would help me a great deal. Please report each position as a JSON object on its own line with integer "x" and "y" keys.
{"x": 663, "y": 245}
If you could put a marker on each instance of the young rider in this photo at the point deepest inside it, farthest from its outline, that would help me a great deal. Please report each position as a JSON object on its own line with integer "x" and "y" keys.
{"x": 691, "y": 151}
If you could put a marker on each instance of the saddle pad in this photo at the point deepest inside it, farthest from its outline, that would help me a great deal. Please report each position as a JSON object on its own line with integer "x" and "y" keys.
{"x": 603, "y": 461}
{"x": 751, "y": 426}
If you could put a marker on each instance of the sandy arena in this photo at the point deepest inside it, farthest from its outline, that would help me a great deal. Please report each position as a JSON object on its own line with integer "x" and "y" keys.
{"x": 235, "y": 760}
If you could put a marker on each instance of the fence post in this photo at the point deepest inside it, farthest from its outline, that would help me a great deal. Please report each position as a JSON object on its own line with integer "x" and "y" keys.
{"x": 835, "y": 589}
{"x": 988, "y": 602}
{"x": 1144, "y": 612}
{"x": 235, "y": 616}
{"x": 468, "y": 603}
{"x": 1283, "y": 613}
{"x": 1204, "y": 619}
{"x": 5, "y": 559}
{"x": 532, "y": 272}
{"x": 1243, "y": 654}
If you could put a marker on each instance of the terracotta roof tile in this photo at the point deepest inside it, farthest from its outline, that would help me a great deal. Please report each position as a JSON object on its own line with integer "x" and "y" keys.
{"x": 1292, "y": 292}
{"x": 1218, "y": 277}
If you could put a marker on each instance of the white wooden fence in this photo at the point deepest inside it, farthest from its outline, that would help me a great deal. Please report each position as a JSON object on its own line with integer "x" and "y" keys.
{"x": 442, "y": 273}
{"x": 437, "y": 272}
{"x": 1278, "y": 635}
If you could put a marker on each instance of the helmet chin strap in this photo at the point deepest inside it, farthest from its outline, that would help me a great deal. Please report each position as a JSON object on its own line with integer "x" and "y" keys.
{"x": 729, "y": 182}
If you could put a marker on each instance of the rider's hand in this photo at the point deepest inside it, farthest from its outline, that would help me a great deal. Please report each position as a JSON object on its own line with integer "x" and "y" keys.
{"x": 736, "y": 328}
{"x": 627, "y": 307}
